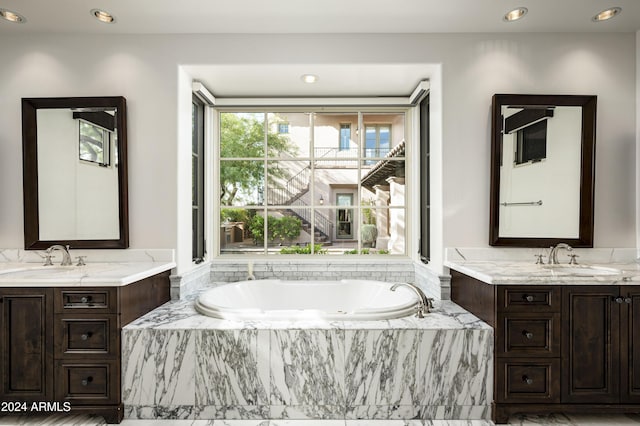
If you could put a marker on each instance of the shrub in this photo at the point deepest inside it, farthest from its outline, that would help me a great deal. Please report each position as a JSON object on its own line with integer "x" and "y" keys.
{"x": 256, "y": 227}
{"x": 306, "y": 249}
{"x": 234, "y": 215}
{"x": 285, "y": 228}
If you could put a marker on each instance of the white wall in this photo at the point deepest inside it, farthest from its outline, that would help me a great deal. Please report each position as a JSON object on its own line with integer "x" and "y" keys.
{"x": 637, "y": 140}
{"x": 146, "y": 70}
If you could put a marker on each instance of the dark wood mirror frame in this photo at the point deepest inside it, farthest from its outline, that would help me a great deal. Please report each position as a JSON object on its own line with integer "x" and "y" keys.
{"x": 30, "y": 169}
{"x": 587, "y": 169}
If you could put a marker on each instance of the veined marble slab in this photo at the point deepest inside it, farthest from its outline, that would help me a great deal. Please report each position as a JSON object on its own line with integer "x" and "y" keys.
{"x": 180, "y": 364}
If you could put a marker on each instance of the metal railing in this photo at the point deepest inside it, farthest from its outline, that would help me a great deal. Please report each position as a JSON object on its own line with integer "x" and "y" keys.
{"x": 290, "y": 193}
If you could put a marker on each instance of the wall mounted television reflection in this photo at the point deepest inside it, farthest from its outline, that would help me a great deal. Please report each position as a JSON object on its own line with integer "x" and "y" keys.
{"x": 75, "y": 172}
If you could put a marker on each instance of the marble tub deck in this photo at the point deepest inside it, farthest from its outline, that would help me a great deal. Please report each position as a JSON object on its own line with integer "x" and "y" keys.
{"x": 178, "y": 364}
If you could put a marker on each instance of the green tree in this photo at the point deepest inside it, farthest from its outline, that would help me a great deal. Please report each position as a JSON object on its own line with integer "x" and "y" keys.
{"x": 242, "y": 136}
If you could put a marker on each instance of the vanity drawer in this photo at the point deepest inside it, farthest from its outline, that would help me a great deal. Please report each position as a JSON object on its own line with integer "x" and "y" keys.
{"x": 86, "y": 383}
{"x": 528, "y": 335}
{"x": 532, "y": 381}
{"x": 86, "y": 300}
{"x": 79, "y": 336}
{"x": 528, "y": 299}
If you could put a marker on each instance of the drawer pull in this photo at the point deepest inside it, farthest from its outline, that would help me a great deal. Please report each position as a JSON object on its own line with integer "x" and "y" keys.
{"x": 85, "y": 382}
{"x": 86, "y": 335}
{"x": 527, "y": 380}
{"x": 527, "y": 334}
{"x": 528, "y": 297}
{"x": 85, "y": 299}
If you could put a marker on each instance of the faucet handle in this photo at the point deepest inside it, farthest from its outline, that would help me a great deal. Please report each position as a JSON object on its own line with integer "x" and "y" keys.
{"x": 572, "y": 260}
{"x": 539, "y": 260}
{"x": 47, "y": 260}
{"x": 80, "y": 260}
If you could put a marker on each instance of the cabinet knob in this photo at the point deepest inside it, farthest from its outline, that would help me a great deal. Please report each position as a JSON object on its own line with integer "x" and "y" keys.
{"x": 527, "y": 334}
{"x": 86, "y": 336}
{"x": 618, "y": 299}
{"x": 528, "y": 297}
{"x": 627, "y": 300}
{"x": 527, "y": 380}
{"x": 85, "y": 382}
{"x": 85, "y": 299}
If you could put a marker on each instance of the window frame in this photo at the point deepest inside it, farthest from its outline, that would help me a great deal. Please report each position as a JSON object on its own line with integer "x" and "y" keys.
{"x": 409, "y": 206}
{"x": 198, "y": 194}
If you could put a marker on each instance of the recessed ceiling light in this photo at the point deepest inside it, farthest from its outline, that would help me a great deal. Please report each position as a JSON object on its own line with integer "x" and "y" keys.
{"x": 309, "y": 78}
{"x": 607, "y": 14}
{"x": 12, "y": 16}
{"x": 515, "y": 14}
{"x": 103, "y": 16}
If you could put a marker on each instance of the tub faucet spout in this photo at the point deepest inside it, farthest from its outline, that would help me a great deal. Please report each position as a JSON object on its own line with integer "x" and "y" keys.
{"x": 425, "y": 303}
{"x": 250, "y": 275}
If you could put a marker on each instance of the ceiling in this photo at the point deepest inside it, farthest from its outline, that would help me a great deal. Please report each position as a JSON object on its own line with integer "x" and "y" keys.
{"x": 326, "y": 16}
{"x": 322, "y": 17}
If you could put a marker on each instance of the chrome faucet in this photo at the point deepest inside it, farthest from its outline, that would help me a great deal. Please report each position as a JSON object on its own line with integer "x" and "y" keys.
{"x": 66, "y": 257}
{"x": 553, "y": 254}
{"x": 425, "y": 303}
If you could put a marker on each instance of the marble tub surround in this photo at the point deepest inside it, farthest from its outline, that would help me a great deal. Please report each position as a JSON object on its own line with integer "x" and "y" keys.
{"x": 183, "y": 365}
{"x": 103, "y": 267}
{"x": 517, "y": 266}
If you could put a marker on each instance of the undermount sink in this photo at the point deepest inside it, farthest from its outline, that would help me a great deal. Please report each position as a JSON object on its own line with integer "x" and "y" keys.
{"x": 583, "y": 270}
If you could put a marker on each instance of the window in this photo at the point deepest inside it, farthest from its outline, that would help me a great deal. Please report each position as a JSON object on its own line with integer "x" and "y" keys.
{"x": 377, "y": 141}
{"x": 197, "y": 184}
{"x": 345, "y": 137}
{"x": 283, "y": 128}
{"x": 94, "y": 143}
{"x": 531, "y": 143}
{"x": 97, "y": 135}
{"x": 302, "y": 193}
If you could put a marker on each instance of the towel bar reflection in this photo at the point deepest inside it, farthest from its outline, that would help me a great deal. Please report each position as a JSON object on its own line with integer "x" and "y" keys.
{"x": 529, "y": 203}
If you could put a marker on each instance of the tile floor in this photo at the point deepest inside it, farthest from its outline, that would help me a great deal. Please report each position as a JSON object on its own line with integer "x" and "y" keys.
{"x": 558, "y": 419}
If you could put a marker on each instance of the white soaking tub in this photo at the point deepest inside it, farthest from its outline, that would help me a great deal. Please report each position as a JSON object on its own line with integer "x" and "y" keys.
{"x": 297, "y": 300}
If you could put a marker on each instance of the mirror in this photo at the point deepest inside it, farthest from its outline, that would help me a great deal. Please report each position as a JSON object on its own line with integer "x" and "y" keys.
{"x": 75, "y": 172}
{"x": 542, "y": 170}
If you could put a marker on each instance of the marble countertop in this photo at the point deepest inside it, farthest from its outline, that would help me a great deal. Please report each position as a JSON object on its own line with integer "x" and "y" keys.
{"x": 521, "y": 272}
{"x": 107, "y": 274}
{"x": 104, "y": 268}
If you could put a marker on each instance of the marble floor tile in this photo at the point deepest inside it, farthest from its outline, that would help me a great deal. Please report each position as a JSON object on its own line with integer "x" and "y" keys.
{"x": 57, "y": 419}
{"x": 576, "y": 419}
{"x": 306, "y": 423}
{"x": 518, "y": 420}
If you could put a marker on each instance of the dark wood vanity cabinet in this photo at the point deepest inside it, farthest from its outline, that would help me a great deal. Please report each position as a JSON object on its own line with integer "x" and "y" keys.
{"x": 26, "y": 344}
{"x": 62, "y": 344}
{"x": 559, "y": 348}
{"x": 602, "y": 346}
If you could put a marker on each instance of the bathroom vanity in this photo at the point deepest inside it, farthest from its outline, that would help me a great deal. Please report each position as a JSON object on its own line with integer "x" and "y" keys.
{"x": 567, "y": 338}
{"x": 60, "y": 334}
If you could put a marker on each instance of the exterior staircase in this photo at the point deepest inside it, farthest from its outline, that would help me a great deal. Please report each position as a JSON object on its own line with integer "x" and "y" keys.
{"x": 289, "y": 195}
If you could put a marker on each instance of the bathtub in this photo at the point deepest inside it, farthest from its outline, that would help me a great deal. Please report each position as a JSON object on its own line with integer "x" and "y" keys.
{"x": 298, "y": 300}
